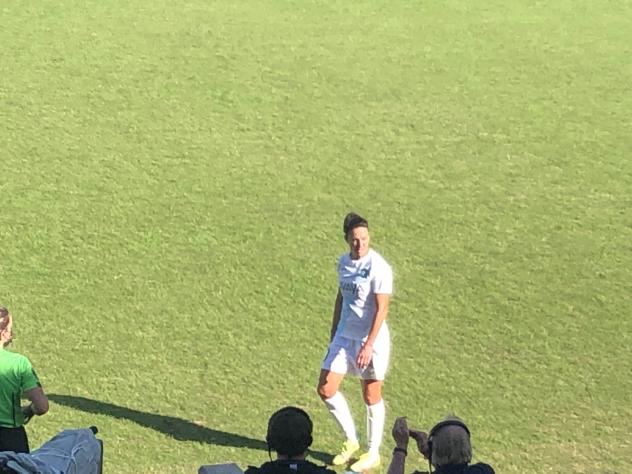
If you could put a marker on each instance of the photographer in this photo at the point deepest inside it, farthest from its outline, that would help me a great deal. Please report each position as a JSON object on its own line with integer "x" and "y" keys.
{"x": 289, "y": 434}
{"x": 17, "y": 378}
{"x": 447, "y": 448}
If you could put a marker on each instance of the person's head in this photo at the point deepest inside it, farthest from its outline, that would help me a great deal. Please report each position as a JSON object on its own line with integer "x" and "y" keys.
{"x": 449, "y": 442}
{"x": 289, "y": 432}
{"x": 356, "y": 231}
{"x": 6, "y": 327}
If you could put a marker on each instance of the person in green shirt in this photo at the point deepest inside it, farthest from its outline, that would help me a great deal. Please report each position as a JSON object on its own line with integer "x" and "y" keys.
{"x": 17, "y": 379}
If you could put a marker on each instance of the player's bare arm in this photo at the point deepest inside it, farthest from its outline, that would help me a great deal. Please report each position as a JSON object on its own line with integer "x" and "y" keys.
{"x": 381, "y": 312}
{"x": 336, "y": 316}
{"x": 39, "y": 400}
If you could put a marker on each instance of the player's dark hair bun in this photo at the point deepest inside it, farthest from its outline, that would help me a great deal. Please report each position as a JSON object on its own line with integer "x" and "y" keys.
{"x": 353, "y": 220}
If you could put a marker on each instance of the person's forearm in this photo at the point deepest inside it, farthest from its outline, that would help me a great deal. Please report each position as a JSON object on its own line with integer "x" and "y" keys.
{"x": 398, "y": 462}
{"x": 336, "y": 316}
{"x": 39, "y": 400}
{"x": 378, "y": 320}
{"x": 39, "y": 410}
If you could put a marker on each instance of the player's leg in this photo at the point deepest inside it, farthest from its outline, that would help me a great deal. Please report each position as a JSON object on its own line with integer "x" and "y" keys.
{"x": 331, "y": 375}
{"x": 336, "y": 403}
{"x": 375, "y": 410}
{"x": 375, "y": 416}
{"x": 372, "y": 382}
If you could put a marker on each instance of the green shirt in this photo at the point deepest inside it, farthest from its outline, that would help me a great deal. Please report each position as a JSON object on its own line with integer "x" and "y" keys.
{"x": 16, "y": 376}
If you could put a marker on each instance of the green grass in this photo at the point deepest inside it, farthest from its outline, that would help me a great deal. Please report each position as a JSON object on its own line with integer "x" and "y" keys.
{"x": 172, "y": 183}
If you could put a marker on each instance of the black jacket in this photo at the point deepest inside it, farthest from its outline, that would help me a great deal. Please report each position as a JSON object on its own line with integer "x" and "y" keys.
{"x": 478, "y": 468}
{"x": 289, "y": 467}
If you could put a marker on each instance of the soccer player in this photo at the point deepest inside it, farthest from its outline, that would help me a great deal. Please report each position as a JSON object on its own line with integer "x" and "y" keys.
{"x": 359, "y": 343}
{"x": 17, "y": 378}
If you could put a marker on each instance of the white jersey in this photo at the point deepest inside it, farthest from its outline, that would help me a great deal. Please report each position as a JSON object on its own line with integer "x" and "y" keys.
{"x": 360, "y": 280}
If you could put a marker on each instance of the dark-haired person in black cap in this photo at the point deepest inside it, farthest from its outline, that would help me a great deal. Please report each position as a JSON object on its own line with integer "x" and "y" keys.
{"x": 17, "y": 378}
{"x": 447, "y": 447}
{"x": 360, "y": 342}
{"x": 289, "y": 435}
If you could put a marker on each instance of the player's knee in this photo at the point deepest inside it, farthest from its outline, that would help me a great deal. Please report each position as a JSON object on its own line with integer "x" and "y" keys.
{"x": 372, "y": 399}
{"x": 325, "y": 391}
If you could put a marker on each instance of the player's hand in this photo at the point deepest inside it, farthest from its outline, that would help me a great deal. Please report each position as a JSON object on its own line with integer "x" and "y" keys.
{"x": 28, "y": 413}
{"x": 364, "y": 356}
{"x": 421, "y": 438}
{"x": 400, "y": 432}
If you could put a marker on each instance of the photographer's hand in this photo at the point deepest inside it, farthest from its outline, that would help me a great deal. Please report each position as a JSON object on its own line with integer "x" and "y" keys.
{"x": 401, "y": 433}
{"x": 421, "y": 438}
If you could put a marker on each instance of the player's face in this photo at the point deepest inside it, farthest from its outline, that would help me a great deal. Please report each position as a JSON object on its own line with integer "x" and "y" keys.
{"x": 7, "y": 333}
{"x": 358, "y": 240}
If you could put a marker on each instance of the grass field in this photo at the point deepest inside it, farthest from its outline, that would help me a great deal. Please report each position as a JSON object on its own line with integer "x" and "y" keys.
{"x": 173, "y": 178}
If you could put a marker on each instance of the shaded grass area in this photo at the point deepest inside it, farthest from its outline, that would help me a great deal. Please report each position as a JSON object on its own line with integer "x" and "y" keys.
{"x": 173, "y": 179}
{"x": 177, "y": 428}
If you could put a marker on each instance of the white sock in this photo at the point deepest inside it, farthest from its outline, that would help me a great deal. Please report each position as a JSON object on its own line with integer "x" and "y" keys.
{"x": 340, "y": 410}
{"x": 375, "y": 415}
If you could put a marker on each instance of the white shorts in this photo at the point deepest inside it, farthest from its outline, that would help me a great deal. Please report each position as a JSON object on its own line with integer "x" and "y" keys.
{"x": 343, "y": 352}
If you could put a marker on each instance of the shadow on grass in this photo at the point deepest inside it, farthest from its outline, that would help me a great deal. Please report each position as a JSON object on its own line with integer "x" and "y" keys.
{"x": 178, "y": 428}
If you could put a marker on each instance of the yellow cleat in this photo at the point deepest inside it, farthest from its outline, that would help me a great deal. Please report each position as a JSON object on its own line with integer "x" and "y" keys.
{"x": 348, "y": 448}
{"x": 367, "y": 461}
